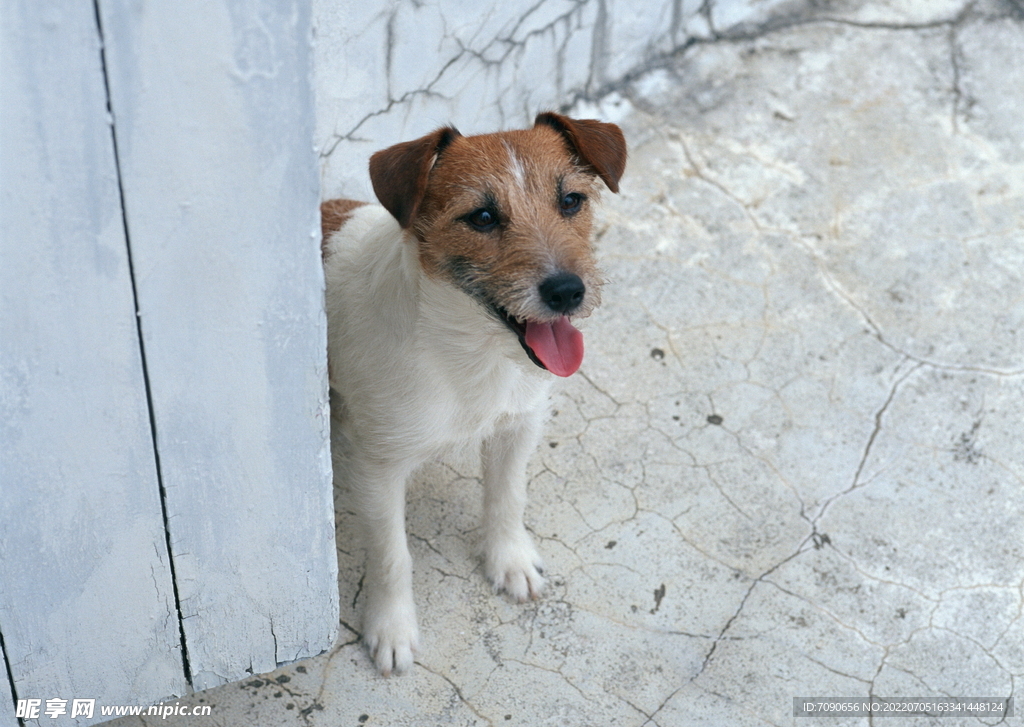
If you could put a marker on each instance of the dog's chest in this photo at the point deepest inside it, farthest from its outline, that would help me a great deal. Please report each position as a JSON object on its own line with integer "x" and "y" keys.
{"x": 467, "y": 399}
{"x": 417, "y": 360}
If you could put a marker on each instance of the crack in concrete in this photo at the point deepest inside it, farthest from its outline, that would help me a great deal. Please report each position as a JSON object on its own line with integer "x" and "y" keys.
{"x": 954, "y": 61}
{"x": 826, "y": 667}
{"x": 821, "y": 609}
{"x": 458, "y": 691}
{"x": 739, "y": 610}
{"x": 405, "y": 98}
{"x": 831, "y": 283}
{"x": 430, "y": 546}
{"x": 508, "y": 41}
{"x": 575, "y": 686}
{"x": 745, "y": 32}
{"x": 874, "y": 433}
{"x": 878, "y": 579}
{"x": 876, "y": 330}
{"x": 511, "y": 44}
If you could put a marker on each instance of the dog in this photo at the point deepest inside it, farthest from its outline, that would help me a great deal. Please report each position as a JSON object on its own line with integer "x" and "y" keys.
{"x": 448, "y": 310}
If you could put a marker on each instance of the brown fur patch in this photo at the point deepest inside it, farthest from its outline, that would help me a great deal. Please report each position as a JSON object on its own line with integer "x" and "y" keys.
{"x": 333, "y": 214}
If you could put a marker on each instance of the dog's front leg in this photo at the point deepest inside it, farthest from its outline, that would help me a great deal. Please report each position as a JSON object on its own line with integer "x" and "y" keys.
{"x": 389, "y": 620}
{"x": 511, "y": 561}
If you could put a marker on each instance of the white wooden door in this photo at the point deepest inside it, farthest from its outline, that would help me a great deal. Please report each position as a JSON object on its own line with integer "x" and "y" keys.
{"x": 166, "y": 521}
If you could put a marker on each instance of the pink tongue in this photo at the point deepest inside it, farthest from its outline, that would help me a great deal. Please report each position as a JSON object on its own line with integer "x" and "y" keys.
{"x": 558, "y": 345}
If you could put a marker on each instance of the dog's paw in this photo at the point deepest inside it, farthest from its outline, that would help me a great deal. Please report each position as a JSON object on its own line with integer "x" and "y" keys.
{"x": 392, "y": 638}
{"x": 515, "y": 567}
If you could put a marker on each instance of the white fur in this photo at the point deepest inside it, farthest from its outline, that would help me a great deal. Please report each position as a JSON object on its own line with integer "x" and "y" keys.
{"x": 516, "y": 166}
{"x": 420, "y": 366}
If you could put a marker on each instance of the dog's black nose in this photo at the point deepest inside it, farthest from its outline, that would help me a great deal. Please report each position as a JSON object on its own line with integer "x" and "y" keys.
{"x": 562, "y": 293}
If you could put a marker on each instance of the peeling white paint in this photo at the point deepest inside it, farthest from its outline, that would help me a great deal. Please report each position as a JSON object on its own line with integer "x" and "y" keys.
{"x": 208, "y": 143}
{"x": 86, "y": 600}
{"x": 221, "y": 198}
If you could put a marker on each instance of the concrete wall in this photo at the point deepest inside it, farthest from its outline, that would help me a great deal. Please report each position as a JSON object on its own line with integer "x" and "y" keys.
{"x": 391, "y": 71}
{"x": 388, "y": 72}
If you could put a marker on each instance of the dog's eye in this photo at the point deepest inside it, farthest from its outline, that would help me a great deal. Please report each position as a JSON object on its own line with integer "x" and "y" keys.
{"x": 482, "y": 220}
{"x": 571, "y": 203}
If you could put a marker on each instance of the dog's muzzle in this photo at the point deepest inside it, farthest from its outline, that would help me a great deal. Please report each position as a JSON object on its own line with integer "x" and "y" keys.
{"x": 553, "y": 345}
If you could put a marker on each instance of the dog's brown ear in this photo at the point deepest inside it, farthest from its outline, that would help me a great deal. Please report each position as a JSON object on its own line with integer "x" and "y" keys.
{"x": 599, "y": 145}
{"x": 399, "y": 173}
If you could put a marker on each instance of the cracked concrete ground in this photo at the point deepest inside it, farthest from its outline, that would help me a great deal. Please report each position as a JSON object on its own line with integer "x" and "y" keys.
{"x": 792, "y": 464}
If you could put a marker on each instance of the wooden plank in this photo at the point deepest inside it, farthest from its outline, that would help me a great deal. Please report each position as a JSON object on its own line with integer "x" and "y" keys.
{"x": 213, "y": 112}
{"x": 7, "y": 718}
{"x": 86, "y": 601}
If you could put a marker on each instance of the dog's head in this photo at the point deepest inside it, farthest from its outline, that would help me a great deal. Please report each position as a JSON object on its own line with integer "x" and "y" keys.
{"x": 506, "y": 218}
